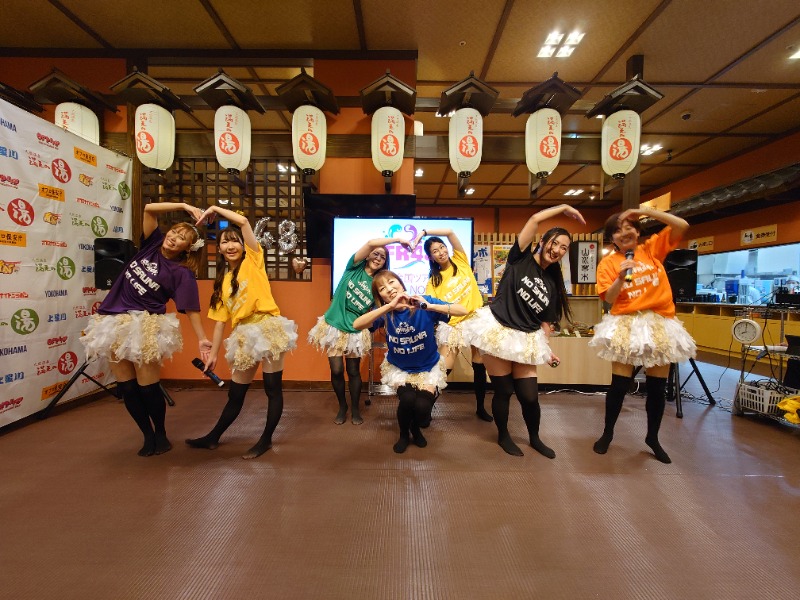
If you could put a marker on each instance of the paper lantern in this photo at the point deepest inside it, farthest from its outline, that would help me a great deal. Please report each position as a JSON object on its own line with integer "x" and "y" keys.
{"x": 543, "y": 142}
{"x": 232, "y": 135}
{"x": 620, "y": 143}
{"x": 155, "y": 136}
{"x": 78, "y": 119}
{"x": 466, "y": 141}
{"x": 309, "y": 138}
{"x": 388, "y": 140}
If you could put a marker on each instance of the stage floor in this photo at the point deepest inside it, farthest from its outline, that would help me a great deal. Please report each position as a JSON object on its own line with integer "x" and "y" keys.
{"x": 332, "y": 512}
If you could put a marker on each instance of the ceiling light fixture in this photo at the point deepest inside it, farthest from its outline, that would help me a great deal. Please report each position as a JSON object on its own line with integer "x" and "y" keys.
{"x": 554, "y": 39}
{"x": 556, "y": 45}
{"x": 646, "y": 150}
{"x": 796, "y": 55}
{"x": 419, "y": 173}
{"x": 546, "y": 52}
{"x": 469, "y": 191}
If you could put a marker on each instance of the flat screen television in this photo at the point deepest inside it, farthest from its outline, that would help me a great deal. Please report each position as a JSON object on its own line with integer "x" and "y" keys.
{"x": 320, "y": 210}
{"x": 350, "y": 233}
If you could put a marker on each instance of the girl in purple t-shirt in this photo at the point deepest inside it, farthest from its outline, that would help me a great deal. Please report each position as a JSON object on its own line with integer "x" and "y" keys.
{"x": 132, "y": 328}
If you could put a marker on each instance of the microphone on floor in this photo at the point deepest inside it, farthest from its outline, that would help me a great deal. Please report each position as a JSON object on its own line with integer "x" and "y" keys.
{"x": 210, "y": 374}
{"x": 629, "y": 272}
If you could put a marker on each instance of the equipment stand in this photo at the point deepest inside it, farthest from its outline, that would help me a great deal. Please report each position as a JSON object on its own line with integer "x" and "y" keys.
{"x": 674, "y": 386}
{"x": 45, "y": 412}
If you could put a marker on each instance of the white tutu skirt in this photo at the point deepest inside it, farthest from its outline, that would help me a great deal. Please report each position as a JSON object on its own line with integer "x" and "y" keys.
{"x": 643, "y": 339}
{"x": 336, "y": 342}
{"x": 452, "y": 336}
{"x": 137, "y": 336}
{"x": 259, "y": 337}
{"x": 394, "y": 377}
{"x": 489, "y": 336}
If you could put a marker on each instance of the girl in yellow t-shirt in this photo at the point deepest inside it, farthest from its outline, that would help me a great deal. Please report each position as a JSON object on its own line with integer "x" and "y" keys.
{"x": 641, "y": 328}
{"x": 260, "y": 334}
{"x": 452, "y": 280}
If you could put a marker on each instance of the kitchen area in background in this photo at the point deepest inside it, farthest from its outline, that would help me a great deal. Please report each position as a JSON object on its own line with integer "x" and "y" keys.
{"x": 755, "y": 276}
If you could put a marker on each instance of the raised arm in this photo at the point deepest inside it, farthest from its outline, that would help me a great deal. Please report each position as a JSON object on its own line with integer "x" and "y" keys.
{"x": 678, "y": 226}
{"x": 239, "y": 220}
{"x": 150, "y": 220}
{"x": 532, "y": 226}
{"x": 448, "y": 233}
{"x": 367, "y": 248}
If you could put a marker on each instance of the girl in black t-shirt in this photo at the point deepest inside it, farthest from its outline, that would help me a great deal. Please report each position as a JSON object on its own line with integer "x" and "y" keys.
{"x": 511, "y": 333}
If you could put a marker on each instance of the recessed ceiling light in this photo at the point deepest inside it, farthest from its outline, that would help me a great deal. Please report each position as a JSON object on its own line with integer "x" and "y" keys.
{"x": 223, "y": 201}
{"x": 565, "y": 51}
{"x": 546, "y": 52}
{"x": 469, "y": 191}
{"x": 554, "y": 39}
{"x": 419, "y": 173}
{"x": 574, "y": 38}
{"x": 795, "y": 55}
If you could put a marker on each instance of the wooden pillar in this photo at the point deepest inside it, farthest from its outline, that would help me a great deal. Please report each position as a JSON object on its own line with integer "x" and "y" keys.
{"x": 631, "y": 197}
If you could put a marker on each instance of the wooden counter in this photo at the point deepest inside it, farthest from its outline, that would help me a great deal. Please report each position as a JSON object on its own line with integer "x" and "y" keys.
{"x": 711, "y": 324}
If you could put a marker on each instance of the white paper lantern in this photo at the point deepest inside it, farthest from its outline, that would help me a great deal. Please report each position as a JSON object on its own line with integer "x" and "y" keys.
{"x": 78, "y": 119}
{"x": 620, "y": 143}
{"x": 466, "y": 140}
{"x": 232, "y": 135}
{"x": 309, "y": 138}
{"x": 543, "y": 142}
{"x": 155, "y": 136}
{"x": 388, "y": 140}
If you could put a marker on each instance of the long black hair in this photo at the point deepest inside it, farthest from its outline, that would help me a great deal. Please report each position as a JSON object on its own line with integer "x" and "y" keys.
{"x": 234, "y": 233}
{"x": 555, "y": 271}
{"x": 435, "y": 272}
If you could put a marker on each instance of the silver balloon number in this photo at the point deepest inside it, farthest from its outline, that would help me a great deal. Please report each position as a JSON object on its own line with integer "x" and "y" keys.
{"x": 264, "y": 237}
{"x": 287, "y": 241}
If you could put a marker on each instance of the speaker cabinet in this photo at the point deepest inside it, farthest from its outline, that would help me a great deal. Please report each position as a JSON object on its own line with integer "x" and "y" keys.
{"x": 681, "y": 267}
{"x": 111, "y": 256}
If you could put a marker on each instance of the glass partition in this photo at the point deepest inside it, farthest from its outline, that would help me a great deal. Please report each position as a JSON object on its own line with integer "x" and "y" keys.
{"x": 751, "y": 276}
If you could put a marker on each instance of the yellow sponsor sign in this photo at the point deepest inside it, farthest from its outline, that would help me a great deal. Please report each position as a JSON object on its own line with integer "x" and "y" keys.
{"x": 13, "y": 238}
{"x": 702, "y": 245}
{"x": 51, "y": 193}
{"x": 84, "y": 156}
{"x": 52, "y": 390}
{"x": 662, "y": 202}
{"x": 759, "y": 235}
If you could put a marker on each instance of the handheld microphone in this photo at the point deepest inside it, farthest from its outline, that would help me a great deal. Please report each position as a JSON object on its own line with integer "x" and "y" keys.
{"x": 210, "y": 374}
{"x": 629, "y": 272}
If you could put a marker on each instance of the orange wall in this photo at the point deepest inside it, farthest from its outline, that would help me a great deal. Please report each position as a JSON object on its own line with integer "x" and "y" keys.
{"x": 782, "y": 153}
{"x": 727, "y": 231}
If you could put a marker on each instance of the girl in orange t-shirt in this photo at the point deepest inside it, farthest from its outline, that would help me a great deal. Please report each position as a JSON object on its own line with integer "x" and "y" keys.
{"x": 641, "y": 329}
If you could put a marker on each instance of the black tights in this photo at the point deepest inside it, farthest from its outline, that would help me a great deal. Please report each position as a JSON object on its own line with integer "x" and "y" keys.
{"x": 156, "y": 406}
{"x": 353, "y": 366}
{"x": 413, "y": 407}
{"x": 134, "y": 403}
{"x": 527, "y": 390}
{"x": 236, "y": 395}
{"x": 479, "y": 384}
{"x": 273, "y": 386}
{"x": 654, "y": 406}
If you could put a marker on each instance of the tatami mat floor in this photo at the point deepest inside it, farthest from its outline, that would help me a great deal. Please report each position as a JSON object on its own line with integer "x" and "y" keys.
{"x": 332, "y": 512}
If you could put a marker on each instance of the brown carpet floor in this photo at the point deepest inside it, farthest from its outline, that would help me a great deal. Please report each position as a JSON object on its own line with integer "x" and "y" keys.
{"x": 331, "y": 512}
